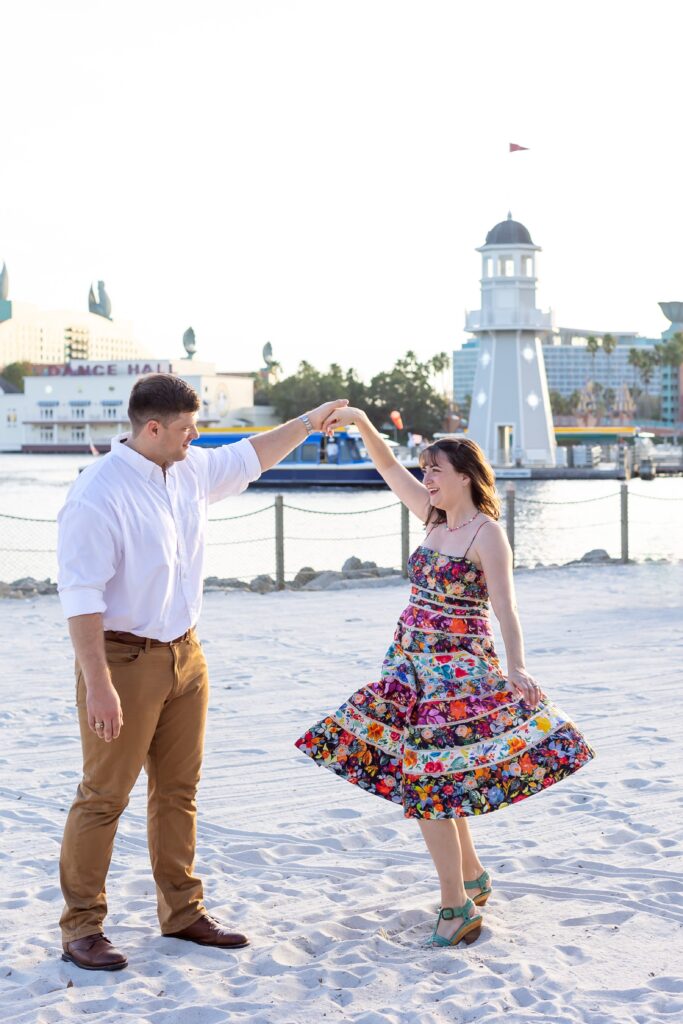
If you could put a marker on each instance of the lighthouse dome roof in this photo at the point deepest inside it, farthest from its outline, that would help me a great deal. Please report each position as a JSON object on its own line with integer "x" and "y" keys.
{"x": 509, "y": 232}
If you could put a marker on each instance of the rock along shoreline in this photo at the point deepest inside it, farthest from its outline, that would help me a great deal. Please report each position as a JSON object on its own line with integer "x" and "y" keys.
{"x": 353, "y": 574}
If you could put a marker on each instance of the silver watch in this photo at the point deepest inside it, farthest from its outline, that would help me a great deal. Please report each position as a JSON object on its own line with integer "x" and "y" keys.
{"x": 306, "y": 422}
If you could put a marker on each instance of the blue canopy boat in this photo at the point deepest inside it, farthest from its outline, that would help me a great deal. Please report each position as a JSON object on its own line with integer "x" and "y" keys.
{"x": 312, "y": 463}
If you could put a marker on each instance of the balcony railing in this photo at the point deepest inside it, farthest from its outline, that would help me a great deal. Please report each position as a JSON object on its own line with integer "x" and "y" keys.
{"x": 512, "y": 320}
{"x": 71, "y": 422}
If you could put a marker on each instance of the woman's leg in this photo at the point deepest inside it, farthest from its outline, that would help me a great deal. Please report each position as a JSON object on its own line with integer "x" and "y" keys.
{"x": 471, "y": 865}
{"x": 441, "y": 837}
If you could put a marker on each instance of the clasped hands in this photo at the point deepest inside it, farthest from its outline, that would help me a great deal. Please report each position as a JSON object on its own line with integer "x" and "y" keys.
{"x": 332, "y": 415}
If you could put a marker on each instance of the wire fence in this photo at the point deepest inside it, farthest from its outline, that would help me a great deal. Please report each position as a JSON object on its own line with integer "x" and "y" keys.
{"x": 279, "y": 538}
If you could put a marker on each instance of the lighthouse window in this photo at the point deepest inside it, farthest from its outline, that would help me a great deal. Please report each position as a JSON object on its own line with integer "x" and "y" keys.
{"x": 527, "y": 266}
{"x": 506, "y": 266}
{"x": 488, "y": 267}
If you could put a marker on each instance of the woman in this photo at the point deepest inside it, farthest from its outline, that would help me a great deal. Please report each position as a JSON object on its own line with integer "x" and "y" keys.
{"x": 445, "y": 732}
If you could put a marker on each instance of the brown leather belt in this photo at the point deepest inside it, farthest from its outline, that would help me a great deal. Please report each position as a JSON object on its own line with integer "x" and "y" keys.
{"x": 142, "y": 641}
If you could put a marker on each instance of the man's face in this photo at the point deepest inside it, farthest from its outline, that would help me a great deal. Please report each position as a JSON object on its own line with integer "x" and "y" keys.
{"x": 173, "y": 439}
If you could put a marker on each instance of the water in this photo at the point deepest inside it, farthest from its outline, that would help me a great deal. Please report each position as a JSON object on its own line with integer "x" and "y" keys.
{"x": 555, "y": 521}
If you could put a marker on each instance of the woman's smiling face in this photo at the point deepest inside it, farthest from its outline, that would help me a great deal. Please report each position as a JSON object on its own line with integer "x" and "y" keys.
{"x": 443, "y": 482}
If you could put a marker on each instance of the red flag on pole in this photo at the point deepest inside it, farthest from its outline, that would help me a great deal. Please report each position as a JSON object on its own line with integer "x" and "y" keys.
{"x": 514, "y": 148}
{"x": 396, "y": 419}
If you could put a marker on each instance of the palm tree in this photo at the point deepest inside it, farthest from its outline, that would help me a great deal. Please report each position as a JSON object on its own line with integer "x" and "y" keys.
{"x": 635, "y": 358}
{"x": 650, "y": 363}
{"x": 609, "y": 396}
{"x": 670, "y": 353}
{"x": 644, "y": 361}
{"x": 573, "y": 402}
{"x": 609, "y": 343}
{"x": 592, "y": 346}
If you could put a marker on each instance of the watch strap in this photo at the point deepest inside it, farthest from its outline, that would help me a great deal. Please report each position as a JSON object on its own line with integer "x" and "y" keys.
{"x": 307, "y": 423}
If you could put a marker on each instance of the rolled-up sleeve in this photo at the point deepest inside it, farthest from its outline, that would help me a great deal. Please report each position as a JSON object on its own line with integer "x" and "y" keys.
{"x": 86, "y": 558}
{"x": 231, "y": 468}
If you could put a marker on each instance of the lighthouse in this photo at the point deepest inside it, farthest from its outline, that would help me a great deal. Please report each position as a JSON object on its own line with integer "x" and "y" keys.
{"x": 510, "y": 415}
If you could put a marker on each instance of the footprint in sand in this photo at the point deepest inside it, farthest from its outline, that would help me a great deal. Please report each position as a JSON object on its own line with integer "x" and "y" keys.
{"x": 524, "y": 997}
{"x": 572, "y": 954}
{"x": 615, "y": 917}
{"x": 638, "y": 783}
{"x": 666, "y": 984}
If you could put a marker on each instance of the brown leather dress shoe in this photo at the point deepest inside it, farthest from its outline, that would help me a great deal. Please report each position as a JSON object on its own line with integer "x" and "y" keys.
{"x": 208, "y": 932}
{"x": 94, "y": 953}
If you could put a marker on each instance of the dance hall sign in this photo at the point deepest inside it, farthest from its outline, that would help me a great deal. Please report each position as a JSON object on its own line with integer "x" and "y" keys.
{"x": 120, "y": 368}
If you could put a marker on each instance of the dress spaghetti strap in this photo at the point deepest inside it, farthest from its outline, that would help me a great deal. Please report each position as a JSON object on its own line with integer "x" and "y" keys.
{"x": 475, "y": 536}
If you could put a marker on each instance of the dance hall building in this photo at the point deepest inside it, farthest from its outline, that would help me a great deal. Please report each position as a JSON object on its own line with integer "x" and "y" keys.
{"x": 80, "y": 405}
{"x": 84, "y": 365}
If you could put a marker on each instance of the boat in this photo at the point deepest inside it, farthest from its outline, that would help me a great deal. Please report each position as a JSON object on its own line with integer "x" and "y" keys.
{"x": 314, "y": 462}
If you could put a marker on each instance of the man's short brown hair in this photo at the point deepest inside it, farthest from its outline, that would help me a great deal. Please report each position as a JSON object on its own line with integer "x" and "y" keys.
{"x": 160, "y": 396}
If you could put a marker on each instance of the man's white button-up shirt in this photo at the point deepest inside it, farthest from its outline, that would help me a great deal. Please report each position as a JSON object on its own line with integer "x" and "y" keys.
{"x": 131, "y": 542}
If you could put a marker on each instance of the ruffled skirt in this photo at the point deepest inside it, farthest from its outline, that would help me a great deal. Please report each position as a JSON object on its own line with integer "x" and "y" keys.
{"x": 441, "y": 732}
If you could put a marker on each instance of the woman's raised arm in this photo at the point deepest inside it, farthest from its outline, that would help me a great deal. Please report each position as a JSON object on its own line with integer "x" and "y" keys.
{"x": 404, "y": 485}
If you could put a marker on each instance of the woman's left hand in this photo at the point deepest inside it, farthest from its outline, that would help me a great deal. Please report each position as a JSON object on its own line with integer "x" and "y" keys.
{"x": 319, "y": 416}
{"x": 338, "y": 419}
{"x": 526, "y": 686}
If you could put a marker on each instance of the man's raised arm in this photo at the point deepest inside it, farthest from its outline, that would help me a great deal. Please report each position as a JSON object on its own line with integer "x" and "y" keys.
{"x": 273, "y": 445}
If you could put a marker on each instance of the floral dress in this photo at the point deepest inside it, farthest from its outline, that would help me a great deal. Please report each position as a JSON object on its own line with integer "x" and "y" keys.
{"x": 442, "y": 732}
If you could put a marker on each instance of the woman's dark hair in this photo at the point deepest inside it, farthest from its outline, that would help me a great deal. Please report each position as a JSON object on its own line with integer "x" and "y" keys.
{"x": 160, "y": 396}
{"x": 466, "y": 457}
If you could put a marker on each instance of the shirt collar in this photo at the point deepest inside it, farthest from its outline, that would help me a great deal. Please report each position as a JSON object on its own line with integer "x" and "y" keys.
{"x": 145, "y": 467}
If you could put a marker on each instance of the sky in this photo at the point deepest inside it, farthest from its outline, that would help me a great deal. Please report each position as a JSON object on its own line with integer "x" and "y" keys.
{"x": 318, "y": 173}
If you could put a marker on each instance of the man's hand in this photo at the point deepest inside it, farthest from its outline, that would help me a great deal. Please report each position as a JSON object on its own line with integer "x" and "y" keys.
{"x": 340, "y": 418}
{"x": 105, "y": 717}
{"x": 319, "y": 415}
{"x": 272, "y": 446}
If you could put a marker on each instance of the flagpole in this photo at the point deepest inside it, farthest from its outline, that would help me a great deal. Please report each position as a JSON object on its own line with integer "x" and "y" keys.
{"x": 513, "y": 147}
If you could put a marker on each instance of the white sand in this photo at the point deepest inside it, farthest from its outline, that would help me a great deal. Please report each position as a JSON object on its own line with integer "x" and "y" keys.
{"x": 333, "y": 885}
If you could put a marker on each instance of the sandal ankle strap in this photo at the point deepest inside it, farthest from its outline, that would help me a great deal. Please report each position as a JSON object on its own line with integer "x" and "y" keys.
{"x": 465, "y": 911}
{"x": 479, "y": 883}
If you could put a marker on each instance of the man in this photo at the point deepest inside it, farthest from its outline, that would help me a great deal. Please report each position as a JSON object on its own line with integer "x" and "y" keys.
{"x": 130, "y": 552}
{"x": 332, "y": 450}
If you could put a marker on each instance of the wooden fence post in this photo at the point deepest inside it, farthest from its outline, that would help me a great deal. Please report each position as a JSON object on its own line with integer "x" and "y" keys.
{"x": 510, "y": 516}
{"x": 405, "y": 538}
{"x": 624, "y": 522}
{"x": 279, "y": 542}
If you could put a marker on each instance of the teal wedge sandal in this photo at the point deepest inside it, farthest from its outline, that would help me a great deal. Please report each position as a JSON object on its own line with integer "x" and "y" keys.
{"x": 483, "y": 883}
{"x": 469, "y": 929}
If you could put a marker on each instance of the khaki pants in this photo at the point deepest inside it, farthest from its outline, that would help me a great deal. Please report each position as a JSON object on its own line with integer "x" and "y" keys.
{"x": 163, "y": 690}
